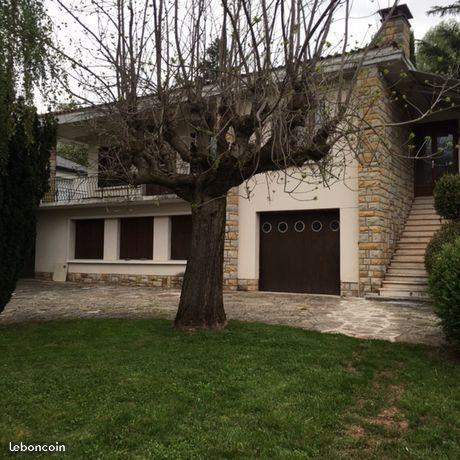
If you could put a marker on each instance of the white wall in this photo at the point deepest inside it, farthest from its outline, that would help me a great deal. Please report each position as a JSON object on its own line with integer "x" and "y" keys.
{"x": 55, "y": 239}
{"x": 271, "y": 193}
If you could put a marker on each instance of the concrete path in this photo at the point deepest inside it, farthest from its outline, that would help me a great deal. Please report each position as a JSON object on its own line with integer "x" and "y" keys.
{"x": 356, "y": 317}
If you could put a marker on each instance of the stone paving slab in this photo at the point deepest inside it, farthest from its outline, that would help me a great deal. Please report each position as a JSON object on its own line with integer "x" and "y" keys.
{"x": 357, "y": 317}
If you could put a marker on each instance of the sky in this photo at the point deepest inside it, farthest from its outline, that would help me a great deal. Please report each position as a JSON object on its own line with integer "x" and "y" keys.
{"x": 364, "y": 20}
{"x": 364, "y": 14}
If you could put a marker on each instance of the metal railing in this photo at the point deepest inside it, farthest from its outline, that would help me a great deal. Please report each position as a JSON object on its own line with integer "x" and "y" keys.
{"x": 82, "y": 188}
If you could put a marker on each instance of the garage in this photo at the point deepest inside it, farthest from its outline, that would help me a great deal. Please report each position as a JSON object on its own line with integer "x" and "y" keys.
{"x": 300, "y": 251}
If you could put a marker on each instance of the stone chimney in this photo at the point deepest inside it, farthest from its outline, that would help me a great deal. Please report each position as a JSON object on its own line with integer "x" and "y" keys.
{"x": 396, "y": 28}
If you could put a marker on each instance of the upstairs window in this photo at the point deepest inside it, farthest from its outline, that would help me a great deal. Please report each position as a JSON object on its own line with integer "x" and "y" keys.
{"x": 89, "y": 239}
{"x": 181, "y": 234}
{"x": 136, "y": 238}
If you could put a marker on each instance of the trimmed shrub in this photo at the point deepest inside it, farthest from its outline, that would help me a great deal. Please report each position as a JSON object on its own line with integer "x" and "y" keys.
{"x": 447, "y": 196}
{"x": 444, "y": 285}
{"x": 446, "y": 234}
{"x": 24, "y": 174}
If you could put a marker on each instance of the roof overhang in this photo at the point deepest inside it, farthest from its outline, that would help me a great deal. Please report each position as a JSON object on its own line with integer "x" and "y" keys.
{"x": 426, "y": 92}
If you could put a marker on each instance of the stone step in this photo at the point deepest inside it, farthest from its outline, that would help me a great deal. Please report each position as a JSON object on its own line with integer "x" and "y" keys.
{"x": 422, "y": 209}
{"x": 406, "y": 258}
{"x": 432, "y": 227}
{"x": 411, "y": 246}
{"x": 406, "y": 276}
{"x": 416, "y": 218}
{"x": 414, "y": 239}
{"x": 404, "y": 286}
{"x": 410, "y": 233}
{"x": 401, "y": 293}
{"x": 423, "y": 215}
{"x": 423, "y": 199}
{"x": 416, "y": 272}
{"x": 407, "y": 265}
{"x": 406, "y": 279}
{"x": 418, "y": 206}
{"x": 409, "y": 282}
{"x": 410, "y": 252}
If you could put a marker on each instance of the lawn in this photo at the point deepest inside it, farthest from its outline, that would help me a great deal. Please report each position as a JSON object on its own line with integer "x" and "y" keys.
{"x": 122, "y": 389}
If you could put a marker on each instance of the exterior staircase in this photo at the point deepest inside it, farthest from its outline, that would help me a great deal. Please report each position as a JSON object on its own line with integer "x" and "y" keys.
{"x": 406, "y": 276}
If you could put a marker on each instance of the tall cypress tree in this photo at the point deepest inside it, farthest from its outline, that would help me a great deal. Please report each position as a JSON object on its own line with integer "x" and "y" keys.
{"x": 25, "y": 140}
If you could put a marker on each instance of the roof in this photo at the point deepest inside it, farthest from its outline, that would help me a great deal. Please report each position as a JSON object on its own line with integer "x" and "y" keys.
{"x": 69, "y": 165}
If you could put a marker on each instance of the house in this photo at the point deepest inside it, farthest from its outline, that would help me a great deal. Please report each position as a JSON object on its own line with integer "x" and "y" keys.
{"x": 67, "y": 175}
{"x": 363, "y": 234}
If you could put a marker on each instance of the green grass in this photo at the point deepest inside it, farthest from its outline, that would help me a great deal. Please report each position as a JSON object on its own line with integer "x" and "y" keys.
{"x": 122, "y": 389}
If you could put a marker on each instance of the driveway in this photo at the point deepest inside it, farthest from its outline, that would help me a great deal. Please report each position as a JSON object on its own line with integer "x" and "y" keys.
{"x": 356, "y": 317}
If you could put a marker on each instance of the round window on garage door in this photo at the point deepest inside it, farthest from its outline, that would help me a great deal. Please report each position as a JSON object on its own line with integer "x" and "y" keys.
{"x": 266, "y": 227}
{"x": 299, "y": 226}
{"x": 283, "y": 227}
{"x": 316, "y": 226}
{"x": 334, "y": 225}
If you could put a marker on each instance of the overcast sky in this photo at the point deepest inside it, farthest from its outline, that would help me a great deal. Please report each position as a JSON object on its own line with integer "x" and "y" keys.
{"x": 363, "y": 23}
{"x": 364, "y": 14}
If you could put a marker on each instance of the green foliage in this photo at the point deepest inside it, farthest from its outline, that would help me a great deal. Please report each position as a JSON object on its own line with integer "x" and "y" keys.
{"x": 74, "y": 152}
{"x": 22, "y": 185}
{"x": 448, "y": 233}
{"x": 452, "y": 9}
{"x": 25, "y": 141}
{"x": 210, "y": 63}
{"x": 444, "y": 282}
{"x": 447, "y": 197}
{"x": 439, "y": 50}
{"x": 25, "y": 32}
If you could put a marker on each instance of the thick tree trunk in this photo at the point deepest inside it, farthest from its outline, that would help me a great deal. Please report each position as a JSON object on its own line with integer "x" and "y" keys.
{"x": 201, "y": 304}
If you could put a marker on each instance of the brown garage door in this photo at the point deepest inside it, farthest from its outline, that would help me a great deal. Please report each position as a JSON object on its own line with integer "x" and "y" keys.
{"x": 300, "y": 252}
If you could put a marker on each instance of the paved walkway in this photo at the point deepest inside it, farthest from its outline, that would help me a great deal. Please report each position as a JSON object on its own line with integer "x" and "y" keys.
{"x": 356, "y": 317}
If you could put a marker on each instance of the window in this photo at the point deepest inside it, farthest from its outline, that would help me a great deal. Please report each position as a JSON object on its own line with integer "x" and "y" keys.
{"x": 89, "y": 239}
{"x": 136, "y": 238}
{"x": 181, "y": 234}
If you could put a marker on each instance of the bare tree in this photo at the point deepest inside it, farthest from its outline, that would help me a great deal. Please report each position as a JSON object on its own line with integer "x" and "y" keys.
{"x": 199, "y": 125}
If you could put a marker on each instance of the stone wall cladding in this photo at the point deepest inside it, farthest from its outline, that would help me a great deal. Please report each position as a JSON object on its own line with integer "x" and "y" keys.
{"x": 248, "y": 284}
{"x": 231, "y": 242}
{"x": 349, "y": 289}
{"x": 161, "y": 281}
{"x": 385, "y": 178}
{"x": 396, "y": 32}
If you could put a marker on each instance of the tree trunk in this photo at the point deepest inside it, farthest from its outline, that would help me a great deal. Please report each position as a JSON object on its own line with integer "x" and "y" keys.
{"x": 201, "y": 304}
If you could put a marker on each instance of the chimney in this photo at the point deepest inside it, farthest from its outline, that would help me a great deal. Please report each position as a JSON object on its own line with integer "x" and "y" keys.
{"x": 396, "y": 28}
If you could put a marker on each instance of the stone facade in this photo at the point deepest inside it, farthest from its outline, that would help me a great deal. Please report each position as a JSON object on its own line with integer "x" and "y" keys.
{"x": 396, "y": 30}
{"x": 349, "y": 289}
{"x": 163, "y": 281}
{"x": 248, "y": 284}
{"x": 231, "y": 242}
{"x": 385, "y": 179}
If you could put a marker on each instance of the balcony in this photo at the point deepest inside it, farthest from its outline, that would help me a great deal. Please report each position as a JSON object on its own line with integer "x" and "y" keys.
{"x": 90, "y": 189}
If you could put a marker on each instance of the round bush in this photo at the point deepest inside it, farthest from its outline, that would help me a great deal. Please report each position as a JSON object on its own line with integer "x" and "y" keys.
{"x": 446, "y": 234}
{"x": 444, "y": 284}
{"x": 447, "y": 196}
